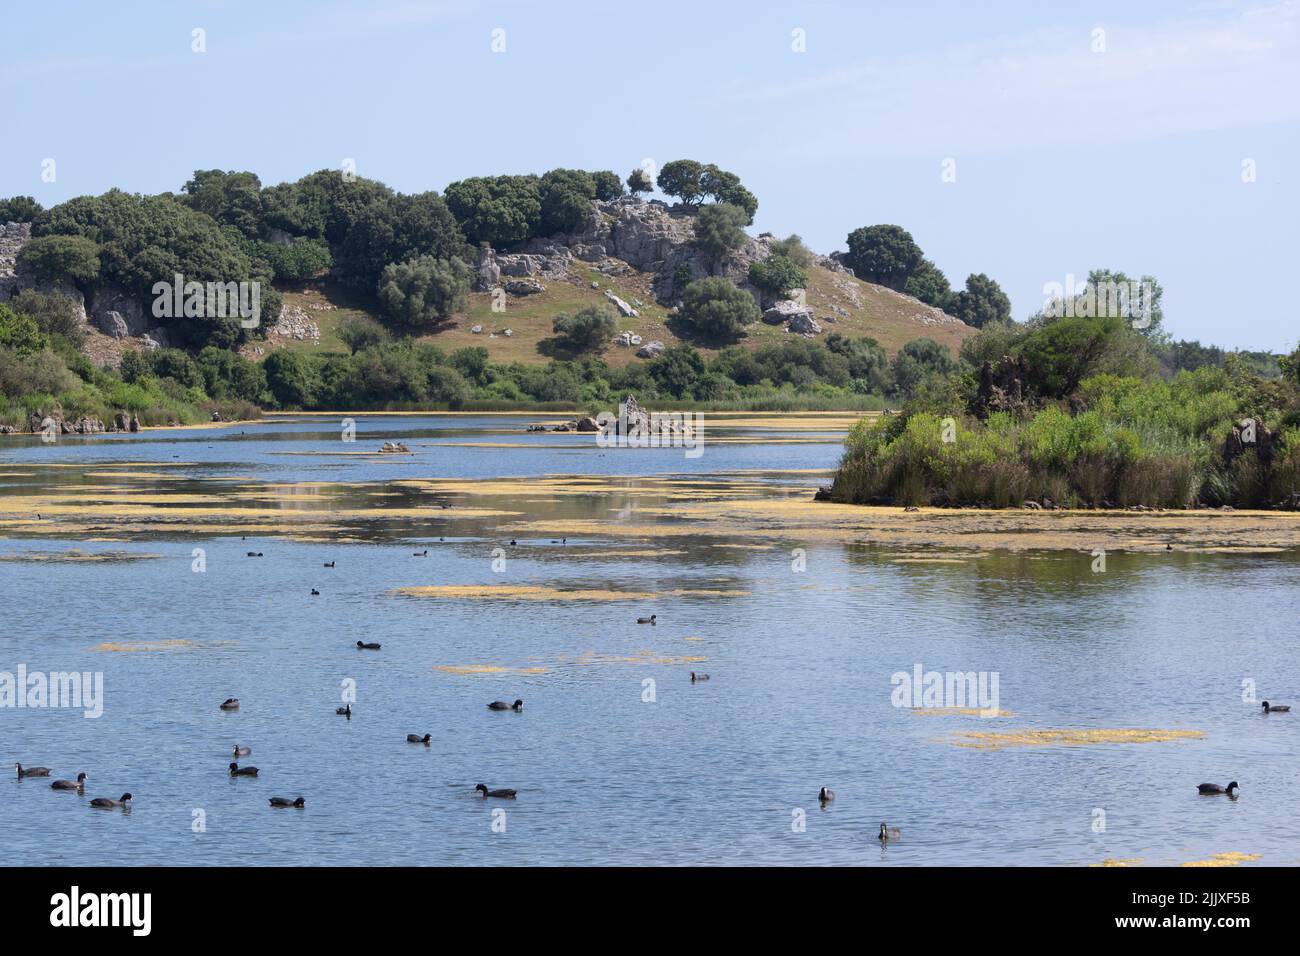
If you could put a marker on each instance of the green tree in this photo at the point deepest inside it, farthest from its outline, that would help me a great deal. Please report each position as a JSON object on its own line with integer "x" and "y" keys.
{"x": 500, "y": 210}
{"x": 638, "y": 181}
{"x": 884, "y": 254}
{"x": 982, "y": 302}
{"x": 719, "y": 231}
{"x": 776, "y": 274}
{"x": 717, "y": 311}
{"x": 53, "y": 314}
{"x": 566, "y": 200}
{"x": 1061, "y": 354}
{"x": 676, "y": 369}
{"x": 928, "y": 283}
{"x": 231, "y": 198}
{"x": 918, "y": 362}
{"x": 681, "y": 178}
{"x": 19, "y": 209}
{"x": 72, "y": 259}
{"x": 726, "y": 187}
{"x": 585, "y": 330}
{"x": 421, "y": 292}
{"x": 608, "y": 185}
{"x": 19, "y": 332}
{"x": 291, "y": 377}
{"x": 361, "y": 332}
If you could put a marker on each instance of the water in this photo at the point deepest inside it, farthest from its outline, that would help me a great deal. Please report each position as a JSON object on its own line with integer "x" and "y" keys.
{"x": 716, "y": 772}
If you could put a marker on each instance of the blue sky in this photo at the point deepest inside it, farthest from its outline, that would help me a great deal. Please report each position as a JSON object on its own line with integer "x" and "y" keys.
{"x": 1066, "y": 158}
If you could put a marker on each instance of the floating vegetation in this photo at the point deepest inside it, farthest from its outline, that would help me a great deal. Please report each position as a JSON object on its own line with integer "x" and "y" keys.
{"x": 470, "y": 670}
{"x": 988, "y": 740}
{"x": 530, "y": 592}
{"x": 77, "y": 556}
{"x": 1232, "y": 858}
{"x": 133, "y": 646}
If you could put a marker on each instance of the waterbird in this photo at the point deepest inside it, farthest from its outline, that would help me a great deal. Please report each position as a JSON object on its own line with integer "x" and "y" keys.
{"x": 417, "y": 739}
{"x": 1213, "y": 789}
{"x": 255, "y": 554}
{"x": 513, "y": 543}
{"x": 286, "y": 802}
{"x": 502, "y": 705}
{"x": 825, "y": 795}
{"x": 345, "y": 711}
{"x": 237, "y": 771}
{"x": 697, "y": 677}
{"x": 420, "y": 554}
{"x": 503, "y": 794}
{"x": 32, "y": 771}
{"x": 315, "y": 593}
{"x": 80, "y": 783}
{"x": 230, "y": 703}
{"x": 107, "y": 803}
{"x": 329, "y": 564}
{"x": 241, "y": 751}
{"x": 889, "y": 833}
{"x": 647, "y": 620}
{"x": 1276, "y": 708}
{"x": 368, "y": 647}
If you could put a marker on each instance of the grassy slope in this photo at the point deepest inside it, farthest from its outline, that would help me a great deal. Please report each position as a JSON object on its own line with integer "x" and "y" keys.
{"x": 890, "y": 318}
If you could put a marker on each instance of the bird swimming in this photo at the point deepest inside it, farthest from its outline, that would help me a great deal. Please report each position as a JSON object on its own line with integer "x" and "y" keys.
{"x": 315, "y": 593}
{"x": 889, "y": 833}
{"x": 32, "y": 771}
{"x": 80, "y": 783}
{"x": 237, "y": 771}
{"x": 230, "y": 703}
{"x": 286, "y": 802}
{"x": 242, "y": 751}
{"x": 697, "y": 677}
{"x": 329, "y": 564}
{"x": 420, "y": 554}
{"x": 647, "y": 620}
{"x": 503, "y": 794}
{"x": 345, "y": 711}
{"x": 107, "y": 803}
{"x": 825, "y": 795}
{"x": 1276, "y": 708}
{"x": 1213, "y": 789}
{"x": 368, "y": 647}
{"x": 502, "y": 705}
{"x": 417, "y": 739}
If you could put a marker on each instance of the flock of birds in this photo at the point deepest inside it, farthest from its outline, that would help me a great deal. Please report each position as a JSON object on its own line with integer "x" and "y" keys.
{"x": 235, "y": 770}
{"x": 825, "y": 795}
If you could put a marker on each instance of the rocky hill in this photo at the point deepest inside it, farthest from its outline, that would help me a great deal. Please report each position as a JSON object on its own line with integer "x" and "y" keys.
{"x": 632, "y": 256}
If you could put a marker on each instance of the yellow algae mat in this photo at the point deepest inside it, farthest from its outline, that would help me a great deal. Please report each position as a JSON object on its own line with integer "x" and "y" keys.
{"x": 528, "y": 592}
{"x": 990, "y": 740}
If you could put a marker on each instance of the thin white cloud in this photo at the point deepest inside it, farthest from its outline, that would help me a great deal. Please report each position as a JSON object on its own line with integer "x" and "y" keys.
{"x": 1225, "y": 68}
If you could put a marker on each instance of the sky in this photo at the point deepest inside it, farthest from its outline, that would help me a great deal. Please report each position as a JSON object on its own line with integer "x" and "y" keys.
{"x": 1029, "y": 141}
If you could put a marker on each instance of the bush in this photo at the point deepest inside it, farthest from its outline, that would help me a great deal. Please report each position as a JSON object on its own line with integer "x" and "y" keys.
{"x": 53, "y": 314}
{"x": 61, "y": 259}
{"x": 718, "y": 311}
{"x": 587, "y": 329}
{"x": 884, "y": 254}
{"x": 776, "y": 274}
{"x": 718, "y": 231}
{"x": 419, "y": 293}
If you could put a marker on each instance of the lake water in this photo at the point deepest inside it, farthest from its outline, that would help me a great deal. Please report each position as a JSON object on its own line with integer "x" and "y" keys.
{"x": 800, "y": 636}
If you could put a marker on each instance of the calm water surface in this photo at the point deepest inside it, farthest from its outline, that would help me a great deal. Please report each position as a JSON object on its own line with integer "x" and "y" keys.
{"x": 800, "y": 695}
